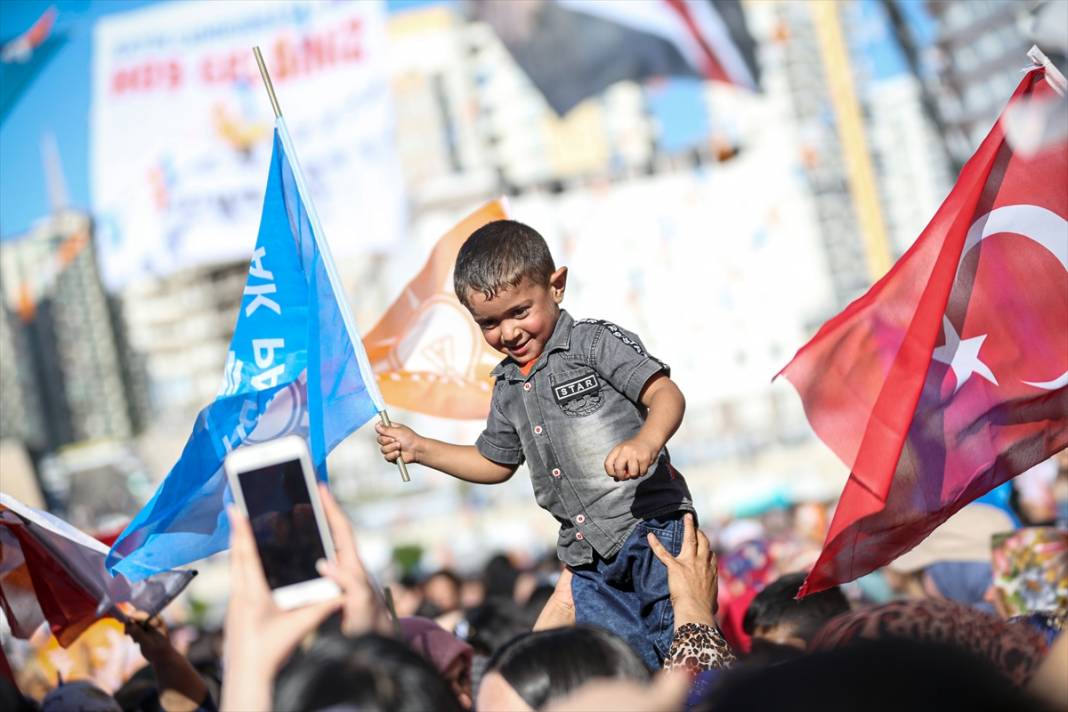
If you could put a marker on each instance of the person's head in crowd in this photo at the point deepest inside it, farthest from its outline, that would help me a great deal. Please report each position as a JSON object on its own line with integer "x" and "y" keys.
{"x": 1014, "y": 649}
{"x": 776, "y": 616}
{"x": 536, "y": 668}
{"x": 13, "y": 700}
{"x": 499, "y": 578}
{"x": 139, "y": 692}
{"x": 441, "y": 593}
{"x": 1031, "y": 573}
{"x": 953, "y": 562}
{"x": 407, "y": 594}
{"x": 765, "y": 652}
{"x": 472, "y": 591}
{"x": 370, "y": 673}
{"x": 489, "y": 626}
{"x": 1060, "y": 488}
{"x": 449, "y": 655}
{"x": 1033, "y": 495}
{"x": 537, "y": 599}
{"x": 79, "y": 695}
{"x": 887, "y": 675}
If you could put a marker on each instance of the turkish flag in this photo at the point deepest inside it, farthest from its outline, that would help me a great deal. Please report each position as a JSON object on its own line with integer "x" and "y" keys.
{"x": 426, "y": 350}
{"x": 950, "y": 375}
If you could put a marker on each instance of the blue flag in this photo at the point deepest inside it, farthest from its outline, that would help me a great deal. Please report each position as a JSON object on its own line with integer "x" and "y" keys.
{"x": 296, "y": 365}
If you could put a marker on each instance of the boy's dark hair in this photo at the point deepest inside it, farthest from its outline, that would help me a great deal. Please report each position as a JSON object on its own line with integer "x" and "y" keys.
{"x": 499, "y": 255}
{"x": 548, "y": 664}
{"x": 775, "y": 605}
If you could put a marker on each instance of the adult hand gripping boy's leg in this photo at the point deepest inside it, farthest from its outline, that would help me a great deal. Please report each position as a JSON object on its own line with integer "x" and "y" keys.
{"x": 559, "y": 610}
{"x": 693, "y": 575}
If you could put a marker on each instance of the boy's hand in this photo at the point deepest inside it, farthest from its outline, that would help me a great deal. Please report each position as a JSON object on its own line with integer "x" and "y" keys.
{"x": 630, "y": 459}
{"x": 398, "y": 441}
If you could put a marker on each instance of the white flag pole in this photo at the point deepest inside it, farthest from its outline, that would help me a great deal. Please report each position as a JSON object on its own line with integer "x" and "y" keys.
{"x": 331, "y": 271}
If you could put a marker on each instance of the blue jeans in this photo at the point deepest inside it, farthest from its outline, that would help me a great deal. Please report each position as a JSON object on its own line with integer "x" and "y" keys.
{"x": 628, "y": 594}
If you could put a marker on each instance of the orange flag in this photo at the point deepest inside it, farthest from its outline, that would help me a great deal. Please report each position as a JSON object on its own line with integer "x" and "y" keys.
{"x": 426, "y": 350}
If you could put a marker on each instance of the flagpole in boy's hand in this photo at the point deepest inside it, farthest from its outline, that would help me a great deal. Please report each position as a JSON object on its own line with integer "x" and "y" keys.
{"x": 329, "y": 263}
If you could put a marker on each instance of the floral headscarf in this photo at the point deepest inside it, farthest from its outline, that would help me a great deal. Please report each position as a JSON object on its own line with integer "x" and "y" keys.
{"x": 1031, "y": 571}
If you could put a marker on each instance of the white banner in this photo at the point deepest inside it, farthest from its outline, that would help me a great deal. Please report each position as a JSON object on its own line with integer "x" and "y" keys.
{"x": 182, "y": 127}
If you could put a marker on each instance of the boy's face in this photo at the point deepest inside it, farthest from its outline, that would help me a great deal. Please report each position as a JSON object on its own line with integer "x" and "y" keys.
{"x": 519, "y": 320}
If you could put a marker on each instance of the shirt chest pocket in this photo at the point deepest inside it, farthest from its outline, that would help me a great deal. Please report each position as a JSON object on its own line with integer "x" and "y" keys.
{"x": 577, "y": 392}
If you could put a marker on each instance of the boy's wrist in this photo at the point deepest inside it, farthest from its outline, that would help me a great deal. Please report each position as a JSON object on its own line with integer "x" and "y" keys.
{"x": 650, "y": 441}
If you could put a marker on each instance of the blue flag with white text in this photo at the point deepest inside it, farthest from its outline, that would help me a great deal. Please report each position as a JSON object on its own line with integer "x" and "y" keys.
{"x": 295, "y": 365}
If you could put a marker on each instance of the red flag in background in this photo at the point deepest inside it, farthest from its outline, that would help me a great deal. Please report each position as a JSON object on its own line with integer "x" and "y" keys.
{"x": 950, "y": 376}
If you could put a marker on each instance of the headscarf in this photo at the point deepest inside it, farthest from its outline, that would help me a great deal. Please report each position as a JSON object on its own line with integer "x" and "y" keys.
{"x": 961, "y": 581}
{"x": 433, "y": 642}
{"x": 1031, "y": 571}
{"x": 963, "y": 537}
{"x": 1015, "y": 649}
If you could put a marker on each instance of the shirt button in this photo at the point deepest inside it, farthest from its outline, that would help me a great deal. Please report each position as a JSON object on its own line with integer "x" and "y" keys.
{"x": 579, "y": 536}
{"x": 556, "y": 472}
{"x": 537, "y": 430}
{"x": 580, "y": 518}
{"x": 526, "y": 386}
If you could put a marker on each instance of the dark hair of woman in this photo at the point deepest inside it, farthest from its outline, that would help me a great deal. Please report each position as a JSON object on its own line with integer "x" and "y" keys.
{"x": 549, "y": 664}
{"x": 370, "y": 673}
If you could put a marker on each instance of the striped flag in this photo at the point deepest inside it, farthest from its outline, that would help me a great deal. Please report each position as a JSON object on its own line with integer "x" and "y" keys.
{"x": 50, "y": 571}
{"x": 573, "y": 49}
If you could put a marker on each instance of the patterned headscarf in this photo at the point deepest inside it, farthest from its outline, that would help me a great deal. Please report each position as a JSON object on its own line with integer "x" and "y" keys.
{"x": 1013, "y": 648}
{"x": 1031, "y": 571}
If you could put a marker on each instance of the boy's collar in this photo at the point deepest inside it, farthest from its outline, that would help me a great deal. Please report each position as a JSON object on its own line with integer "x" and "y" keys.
{"x": 559, "y": 341}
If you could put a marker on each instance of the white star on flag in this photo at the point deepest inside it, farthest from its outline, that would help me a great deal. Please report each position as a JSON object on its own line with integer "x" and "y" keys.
{"x": 962, "y": 356}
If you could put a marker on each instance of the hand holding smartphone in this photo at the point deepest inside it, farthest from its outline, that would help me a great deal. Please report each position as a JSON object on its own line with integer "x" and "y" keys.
{"x": 274, "y": 484}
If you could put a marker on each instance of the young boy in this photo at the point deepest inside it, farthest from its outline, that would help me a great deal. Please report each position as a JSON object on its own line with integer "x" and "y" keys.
{"x": 590, "y": 412}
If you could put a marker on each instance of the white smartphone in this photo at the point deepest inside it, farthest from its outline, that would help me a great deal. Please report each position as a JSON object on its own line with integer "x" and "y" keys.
{"x": 274, "y": 485}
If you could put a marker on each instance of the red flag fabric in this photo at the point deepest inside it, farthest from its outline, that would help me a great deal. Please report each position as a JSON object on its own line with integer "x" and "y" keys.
{"x": 949, "y": 376}
{"x": 50, "y": 571}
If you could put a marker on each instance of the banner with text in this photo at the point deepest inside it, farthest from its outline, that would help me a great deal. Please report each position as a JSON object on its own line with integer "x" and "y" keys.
{"x": 182, "y": 126}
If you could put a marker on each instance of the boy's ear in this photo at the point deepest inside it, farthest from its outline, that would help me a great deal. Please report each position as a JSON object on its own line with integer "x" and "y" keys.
{"x": 557, "y": 284}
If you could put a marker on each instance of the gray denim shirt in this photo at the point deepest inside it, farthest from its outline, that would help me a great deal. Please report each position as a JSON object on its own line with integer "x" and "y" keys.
{"x": 578, "y": 402}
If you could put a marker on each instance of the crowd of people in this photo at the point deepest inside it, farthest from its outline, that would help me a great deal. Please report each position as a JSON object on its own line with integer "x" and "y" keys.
{"x": 970, "y": 619}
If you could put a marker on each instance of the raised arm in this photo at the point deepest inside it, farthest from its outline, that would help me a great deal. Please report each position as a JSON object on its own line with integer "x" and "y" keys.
{"x": 463, "y": 462}
{"x": 665, "y": 405}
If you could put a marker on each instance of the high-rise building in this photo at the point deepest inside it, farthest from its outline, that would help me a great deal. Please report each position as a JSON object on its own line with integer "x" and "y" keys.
{"x": 795, "y": 44}
{"x": 912, "y": 175}
{"x": 180, "y": 328}
{"x": 979, "y": 49}
{"x": 72, "y": 357}
{"x": 20, "y": 407}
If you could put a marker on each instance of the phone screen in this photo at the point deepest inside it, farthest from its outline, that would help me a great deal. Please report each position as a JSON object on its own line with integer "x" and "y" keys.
{"x": 283, "y": 522}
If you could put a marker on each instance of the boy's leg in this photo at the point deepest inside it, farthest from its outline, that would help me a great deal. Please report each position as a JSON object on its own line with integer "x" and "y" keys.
{"x": 650, "y": 580}
{"x": 629, "y": 594}
{"x": 608, "y": 603}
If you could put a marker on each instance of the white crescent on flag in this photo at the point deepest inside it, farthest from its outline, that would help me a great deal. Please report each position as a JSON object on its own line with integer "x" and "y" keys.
{"x": 1040, "y": 225}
